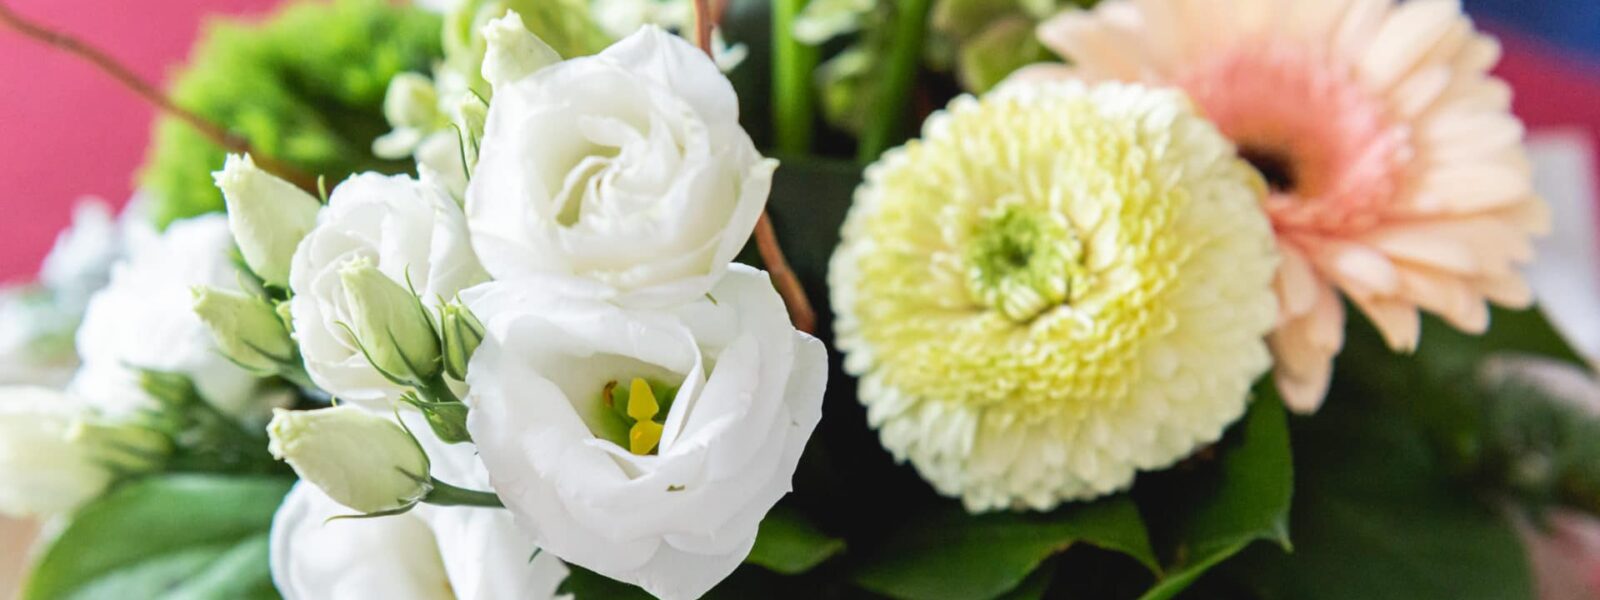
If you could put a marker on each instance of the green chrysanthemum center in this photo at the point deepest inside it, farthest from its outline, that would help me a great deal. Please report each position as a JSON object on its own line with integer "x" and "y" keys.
{"x": 1022, "y": 262}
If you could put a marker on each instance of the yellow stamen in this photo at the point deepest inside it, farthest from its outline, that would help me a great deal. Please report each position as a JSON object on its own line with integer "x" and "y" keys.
{"x": 642, "y": 407}
{"x": 644, "y": 436}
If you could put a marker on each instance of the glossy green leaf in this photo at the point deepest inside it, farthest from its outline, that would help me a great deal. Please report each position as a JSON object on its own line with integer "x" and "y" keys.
{"x": 951, "y": 554}
{"x": 1205, "y": 514}
{"x": 181, "y": 536}
{"x": 789, "y": 544}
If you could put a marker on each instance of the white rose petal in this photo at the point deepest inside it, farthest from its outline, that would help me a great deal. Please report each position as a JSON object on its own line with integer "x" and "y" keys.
{"x": 675, "y": 522}
{"x": 407, "y": 229}
{"x": 626, "y": 171}
{"x": 145, "y": 320}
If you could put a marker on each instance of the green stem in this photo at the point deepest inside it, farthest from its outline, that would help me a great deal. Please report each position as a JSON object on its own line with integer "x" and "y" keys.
{"x": 444, "y": 494}
{"x": 792, "y": 65}
{"x": 910, "y": 26}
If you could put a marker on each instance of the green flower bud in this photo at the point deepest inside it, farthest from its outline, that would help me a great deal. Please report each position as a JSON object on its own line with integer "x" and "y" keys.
{"x": 390, "y": 325}
{"x": 247, "y": 329}
{"x": 268, "y": 217}
{"x": 462, "y": 332}
{"x": 360, "y": 459}
{"x": 512, "y": 51}
{"x": 447, "y": 419}
{"x": 123, "y": 448}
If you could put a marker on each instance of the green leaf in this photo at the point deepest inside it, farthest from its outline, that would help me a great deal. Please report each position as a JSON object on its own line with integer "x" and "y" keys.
{"x": 1375, "y": 517}
{"x": 182, "y": 536}
{"x": 583, "y": 584}
{"x": 951, "y": 554}
{"x": 1210, "y": 513}
{"x": 789, "y": 544}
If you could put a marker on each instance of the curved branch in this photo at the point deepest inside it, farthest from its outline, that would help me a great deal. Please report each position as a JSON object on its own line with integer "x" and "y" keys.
{"x": 801, "y": 314}
{"x": 149, "y": 92}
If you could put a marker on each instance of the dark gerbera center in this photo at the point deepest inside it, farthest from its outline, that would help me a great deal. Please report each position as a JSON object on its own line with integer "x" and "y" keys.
{"x": 1275, "y": 167}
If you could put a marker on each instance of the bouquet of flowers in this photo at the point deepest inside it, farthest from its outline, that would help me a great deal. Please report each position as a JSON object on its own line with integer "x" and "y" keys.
{"x": 916, "y": 299}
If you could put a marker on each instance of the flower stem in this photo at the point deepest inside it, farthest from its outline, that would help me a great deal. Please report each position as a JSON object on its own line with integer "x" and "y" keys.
{"x": 910, "y": 26}
{"x": 783, "y": 278}
{"x": 792, "y": 65}
{"x": 150, "y": 93}
{"x": 444, "y": 494}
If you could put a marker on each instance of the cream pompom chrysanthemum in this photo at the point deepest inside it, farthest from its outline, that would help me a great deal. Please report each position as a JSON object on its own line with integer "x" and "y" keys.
{"x": 1057, "y": 286}
{"x": 1398, "y": 174}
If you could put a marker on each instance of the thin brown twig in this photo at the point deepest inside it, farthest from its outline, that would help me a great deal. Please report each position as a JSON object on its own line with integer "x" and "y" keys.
{"x": 801, "y": 314}
{"x": 703, "y": 20}
{"x": 149, "y": 92}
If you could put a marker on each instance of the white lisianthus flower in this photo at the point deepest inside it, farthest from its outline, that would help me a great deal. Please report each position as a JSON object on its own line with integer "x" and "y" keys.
{"x": 431, "y": 553}
{"x": 409, "y": 230}
{"x": 664, "y": 493}
{"x": 625, "y": 173}
{"x": 145, "y": 320}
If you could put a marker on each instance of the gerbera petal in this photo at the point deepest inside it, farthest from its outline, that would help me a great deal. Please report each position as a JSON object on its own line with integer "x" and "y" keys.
{"x": 1424, "y": 246}
{"x": 1297, "y": 283}
{"x": 1358, "y": 269}
{"x": 1396, "y": 320}
{"x": 1409, "y": 33}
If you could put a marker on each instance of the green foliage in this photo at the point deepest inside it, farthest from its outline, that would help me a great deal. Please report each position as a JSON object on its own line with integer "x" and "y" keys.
{"x": 1376, "y": 517}
{"x": 180, "y": 537}
{"x": 789, "y": 544}
{"x": 1209, "y": 511}
{"x": 949, "y": 554}
{"x": 305, "y": 87}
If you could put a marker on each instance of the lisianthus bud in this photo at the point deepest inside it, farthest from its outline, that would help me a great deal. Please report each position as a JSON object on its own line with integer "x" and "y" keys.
{"x": 247, "y": 329}
{"x": 411, "y": 101}
{"x": 360, "y": 459}
{"x": 390, "y": 324}
{"x": 462, "y": 333}
{"x": 513, "y": 51}
{"x": 267, "y": 215}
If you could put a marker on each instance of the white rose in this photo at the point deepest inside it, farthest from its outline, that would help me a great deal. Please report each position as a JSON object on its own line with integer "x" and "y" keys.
{"x": 404, "y": 227}
{"x": 42, "y": 472}
{"x": 625, "y": 172}
{"x": 145, "y": 320}
{"x": 431, "y": 553}
{"x": 680, "y": 519}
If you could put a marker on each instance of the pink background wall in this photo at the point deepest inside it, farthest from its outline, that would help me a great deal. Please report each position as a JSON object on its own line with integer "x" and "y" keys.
{"x": 65, "y": 130}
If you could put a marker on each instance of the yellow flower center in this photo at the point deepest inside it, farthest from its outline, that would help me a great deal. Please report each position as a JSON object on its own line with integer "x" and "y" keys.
{"x": 637, "y": 408}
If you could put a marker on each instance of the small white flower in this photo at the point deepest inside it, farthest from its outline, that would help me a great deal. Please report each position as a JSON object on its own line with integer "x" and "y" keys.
{"x": 79, "y": 263}
{"x": 145, "y": 320}
{"x": 430, "y": 553}
{"x": 41, "y": 471}
{"x": 412, "y": 232}
{"x": 625, "y": 173}
{"x": 739, "y": 394}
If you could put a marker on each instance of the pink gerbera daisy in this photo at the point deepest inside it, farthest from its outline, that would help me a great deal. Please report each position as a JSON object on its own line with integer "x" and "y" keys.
{"x": 1397, "y": 172}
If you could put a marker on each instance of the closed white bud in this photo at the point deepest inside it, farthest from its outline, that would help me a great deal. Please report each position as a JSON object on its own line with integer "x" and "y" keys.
{"x": 267, "y": 215}
{"x": 390, "y": 325}
{"x": 247, "y": 329}
{"x": 411, "y": 101}
{"x": 513, "y": 51}
{"x": 360, "y": 459}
